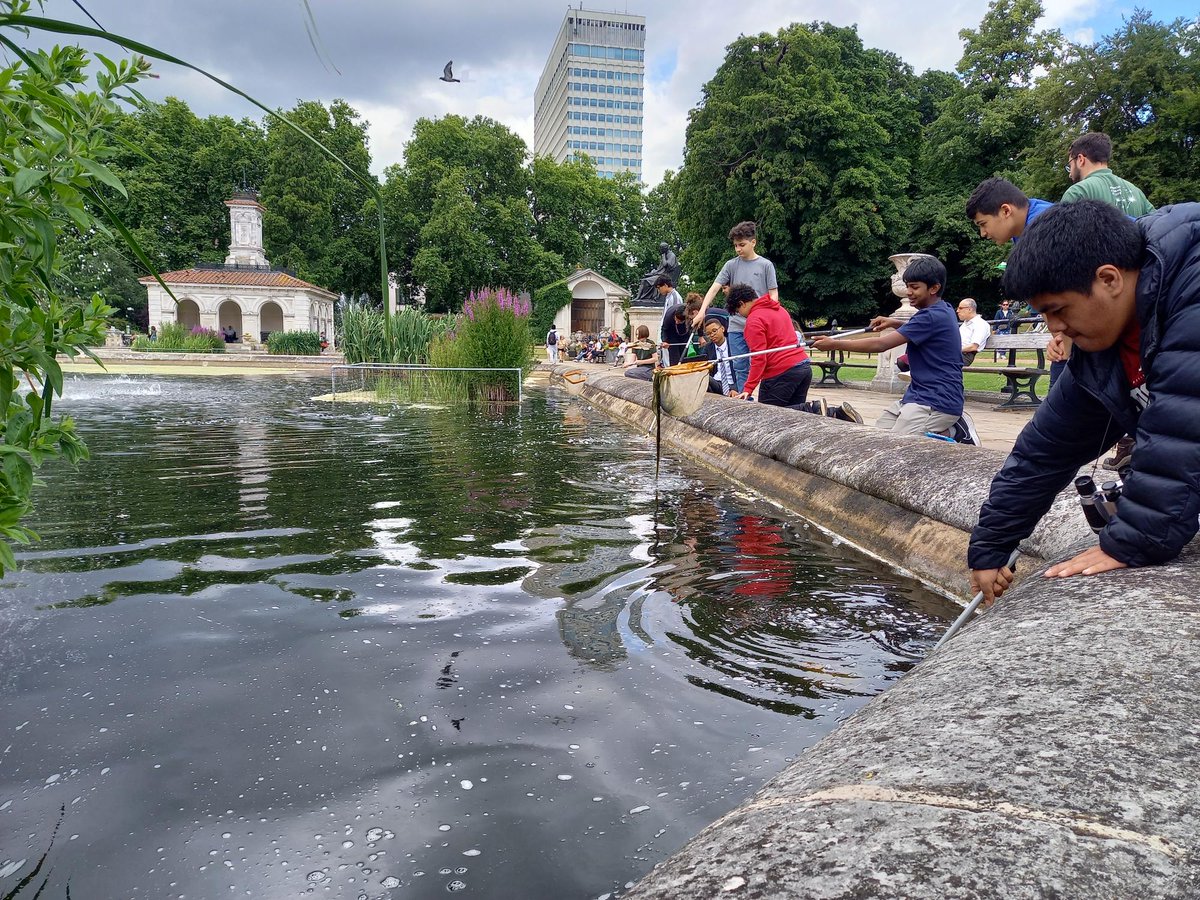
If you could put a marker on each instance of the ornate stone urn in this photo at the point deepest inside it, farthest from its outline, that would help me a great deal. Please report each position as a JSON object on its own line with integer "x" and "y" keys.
{"x": 885, "y": 372}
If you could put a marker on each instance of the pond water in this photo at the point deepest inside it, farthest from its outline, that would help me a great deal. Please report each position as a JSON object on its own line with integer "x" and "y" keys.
{"x": 268, "y": 647}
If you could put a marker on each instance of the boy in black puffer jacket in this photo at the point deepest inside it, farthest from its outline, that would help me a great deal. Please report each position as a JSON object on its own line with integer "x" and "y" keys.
{"x": 1128, "y": 294}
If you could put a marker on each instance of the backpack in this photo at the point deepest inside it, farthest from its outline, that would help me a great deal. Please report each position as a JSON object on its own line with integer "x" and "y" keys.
{"x": 552, "y": 338}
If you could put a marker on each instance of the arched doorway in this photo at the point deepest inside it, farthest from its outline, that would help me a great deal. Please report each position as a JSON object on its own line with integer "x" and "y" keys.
{"x": 270, "y": 318}
{"x": 230, "y": 313}
{"x": 187, "y": 313}
{"x": 587, "y": 307}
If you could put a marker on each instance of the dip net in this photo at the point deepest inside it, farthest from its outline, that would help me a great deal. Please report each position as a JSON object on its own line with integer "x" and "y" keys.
{"x": 405, "y": 384}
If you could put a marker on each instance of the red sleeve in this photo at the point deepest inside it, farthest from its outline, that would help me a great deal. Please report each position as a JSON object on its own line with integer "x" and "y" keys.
{"x": 756, "y": 339}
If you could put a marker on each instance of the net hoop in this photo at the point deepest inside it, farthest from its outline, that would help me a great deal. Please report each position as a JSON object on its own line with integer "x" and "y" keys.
{"x": 681, "y": 388}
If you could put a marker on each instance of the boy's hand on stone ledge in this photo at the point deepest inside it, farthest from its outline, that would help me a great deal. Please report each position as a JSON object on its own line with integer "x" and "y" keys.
{"x": 992, "y": 582}
{"x": 1092, "y": 561}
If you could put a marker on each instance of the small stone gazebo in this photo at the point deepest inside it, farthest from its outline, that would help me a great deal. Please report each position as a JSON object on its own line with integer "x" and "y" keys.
{"x": 596, "y": 304}
{"x": 245, "y": 292}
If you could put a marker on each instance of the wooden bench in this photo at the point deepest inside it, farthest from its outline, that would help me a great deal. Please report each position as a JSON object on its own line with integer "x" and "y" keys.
{"x": 830, "y": 367}
{"x": 1022, "y": 380}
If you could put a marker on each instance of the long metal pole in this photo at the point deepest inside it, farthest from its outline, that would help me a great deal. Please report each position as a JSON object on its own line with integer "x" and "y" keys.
{"x": 792, "y": 346}
{"x": 972, "y": 606}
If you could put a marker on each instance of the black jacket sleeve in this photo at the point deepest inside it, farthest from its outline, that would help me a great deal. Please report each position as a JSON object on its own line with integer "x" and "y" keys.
{"x": 1069, "y": 429}
{"x": 1160, "y": 503}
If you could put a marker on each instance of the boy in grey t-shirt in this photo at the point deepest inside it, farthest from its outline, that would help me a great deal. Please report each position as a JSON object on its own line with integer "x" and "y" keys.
{"x": 746, "y": 268}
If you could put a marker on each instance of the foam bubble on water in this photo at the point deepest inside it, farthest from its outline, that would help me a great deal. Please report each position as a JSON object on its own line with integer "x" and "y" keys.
{"x": 466, "y": 784}
{"x": 346, "y": 845}
{"x": 564, "y": 777}
{"x": 374, "y": 834}
{"x": 227, "y": 835}
{"x": 317, "y": 877}
{"x": 5, "y": 805}
{"x": 472, "y": 852}
{"x": 443, "y": 828}
{"x": 53, "y": 778}
{"x": 734, "y": 883}
{"x": 638, "y": 809}
{"x": 10, "y": 867}
{"x": 390, "y": 882}
{"x": 572, "y": 746}
{"x": 456, "y": 885}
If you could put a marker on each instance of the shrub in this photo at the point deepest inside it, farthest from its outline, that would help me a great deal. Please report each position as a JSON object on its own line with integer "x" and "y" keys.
{"x": 173, "y": 337}
{"x": 494, "y": 333}
{"x": 294, "y": 343}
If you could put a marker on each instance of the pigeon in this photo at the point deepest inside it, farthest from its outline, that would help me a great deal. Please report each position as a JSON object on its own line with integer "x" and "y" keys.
{"x": 448, "y": 73}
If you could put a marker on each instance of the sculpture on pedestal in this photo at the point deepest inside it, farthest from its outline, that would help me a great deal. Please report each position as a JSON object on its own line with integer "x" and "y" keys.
{"x": 885, "y": 371}
{"x": 668, "y": 265}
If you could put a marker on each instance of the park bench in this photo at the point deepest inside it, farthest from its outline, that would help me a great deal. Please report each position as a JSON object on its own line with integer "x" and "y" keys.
{"x": 1022, "y": 380}
{"x": 835, "y": 362}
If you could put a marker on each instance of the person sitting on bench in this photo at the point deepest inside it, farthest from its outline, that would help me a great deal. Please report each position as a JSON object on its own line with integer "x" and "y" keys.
{"x": 973, "y": 330}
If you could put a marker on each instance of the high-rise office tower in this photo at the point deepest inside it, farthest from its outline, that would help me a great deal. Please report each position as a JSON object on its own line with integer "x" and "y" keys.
{"x": 589, "y": 98}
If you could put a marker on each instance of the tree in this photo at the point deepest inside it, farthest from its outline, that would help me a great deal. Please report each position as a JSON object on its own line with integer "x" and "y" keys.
{"x": 1141, "y": 86}
{"x": 466, "y": 185}
{"x": 178, "y": 170}
{"x": 795, "y": 131}
{"x": 54, "y": 150}
{"x": 983, "y": 127}
{"x": 315, "y": 211}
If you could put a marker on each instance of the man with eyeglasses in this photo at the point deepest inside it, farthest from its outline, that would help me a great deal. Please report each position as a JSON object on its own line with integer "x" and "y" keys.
{"x": 973, "y": 329}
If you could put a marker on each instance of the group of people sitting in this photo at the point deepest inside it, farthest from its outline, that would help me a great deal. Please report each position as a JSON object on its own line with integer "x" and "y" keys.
{"x": 592, "y": 347}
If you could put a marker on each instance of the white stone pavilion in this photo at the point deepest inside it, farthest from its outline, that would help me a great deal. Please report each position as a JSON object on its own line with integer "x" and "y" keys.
{"x": 245, "y": 293}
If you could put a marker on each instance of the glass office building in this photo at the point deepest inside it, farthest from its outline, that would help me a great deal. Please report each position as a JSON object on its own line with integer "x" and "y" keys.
{"x": 589, "y": 98}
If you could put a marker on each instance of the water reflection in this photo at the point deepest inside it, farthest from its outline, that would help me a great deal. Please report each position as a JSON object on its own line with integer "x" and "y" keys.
{"x": 272, "y": 645}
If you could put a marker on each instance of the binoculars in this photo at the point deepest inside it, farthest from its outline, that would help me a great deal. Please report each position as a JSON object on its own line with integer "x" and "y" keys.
{"x": 1099, "y": 503}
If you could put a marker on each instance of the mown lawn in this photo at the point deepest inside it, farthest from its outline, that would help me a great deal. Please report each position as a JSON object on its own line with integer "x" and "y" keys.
{"x": 973, "y": 381}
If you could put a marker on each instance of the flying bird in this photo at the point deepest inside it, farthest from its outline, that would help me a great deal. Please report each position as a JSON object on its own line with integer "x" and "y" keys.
{"x": 448, "y": 73}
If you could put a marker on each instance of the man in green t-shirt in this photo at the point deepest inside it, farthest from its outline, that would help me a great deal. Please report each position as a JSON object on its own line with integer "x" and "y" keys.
{"x": 1087, "y": 164}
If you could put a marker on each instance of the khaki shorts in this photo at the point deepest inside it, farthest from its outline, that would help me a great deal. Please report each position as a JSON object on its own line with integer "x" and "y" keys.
{"x": 914, "y": 418}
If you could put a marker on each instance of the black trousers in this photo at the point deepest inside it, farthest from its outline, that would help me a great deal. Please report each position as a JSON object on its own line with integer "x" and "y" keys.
{"x": 789, "y": 388}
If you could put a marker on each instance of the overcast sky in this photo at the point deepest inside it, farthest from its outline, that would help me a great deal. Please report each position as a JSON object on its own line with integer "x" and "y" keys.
{"x": 389, "y": 53}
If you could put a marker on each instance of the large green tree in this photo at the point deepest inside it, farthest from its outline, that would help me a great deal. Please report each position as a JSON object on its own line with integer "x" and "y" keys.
{"x": 981, "y": 126}
{"x": 315, "y": 221}
{"x": 795, "y": 131}
{"x": 1141, "y": 86}
{"x": 178, "y": 170}
{"x": 467, "y": 193}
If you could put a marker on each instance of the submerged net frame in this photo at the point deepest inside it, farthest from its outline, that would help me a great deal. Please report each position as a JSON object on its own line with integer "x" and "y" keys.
{"x": 397, "y": 382}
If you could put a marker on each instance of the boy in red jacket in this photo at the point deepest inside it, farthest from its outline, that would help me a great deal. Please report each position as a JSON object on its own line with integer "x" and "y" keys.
{"x": 782, "y": 378}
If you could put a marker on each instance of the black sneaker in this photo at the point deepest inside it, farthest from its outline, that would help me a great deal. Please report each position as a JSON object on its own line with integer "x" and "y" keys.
{"x": 850, "y": 414}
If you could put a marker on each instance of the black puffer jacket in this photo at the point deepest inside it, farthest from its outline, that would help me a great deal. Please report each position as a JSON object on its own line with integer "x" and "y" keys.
{"x": 1090, "y": 408}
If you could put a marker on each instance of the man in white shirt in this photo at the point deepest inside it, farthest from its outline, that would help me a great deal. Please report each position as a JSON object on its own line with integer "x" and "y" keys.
{"x": 973, "y": 329}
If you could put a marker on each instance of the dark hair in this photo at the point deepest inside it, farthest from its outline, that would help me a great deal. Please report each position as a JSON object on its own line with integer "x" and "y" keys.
{"x": 664, "y": 280}
{"x": 927, "y": 271}
{"x": 693, "y": 303}
{"x": 991, "y": 194}
{"x": 1066, "y": 244}
{"x": 1095, "y": 145}
{"x": 743, "y": 231}
{"x": 739, "y": 294}
{"x": 643, "y": 332}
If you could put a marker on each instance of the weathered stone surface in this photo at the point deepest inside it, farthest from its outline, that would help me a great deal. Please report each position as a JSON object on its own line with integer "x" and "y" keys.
{"x": 1049, "y": 750}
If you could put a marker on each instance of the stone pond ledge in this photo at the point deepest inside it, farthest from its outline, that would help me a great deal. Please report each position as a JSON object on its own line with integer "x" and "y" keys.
{"x": 1050, "y": 750}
